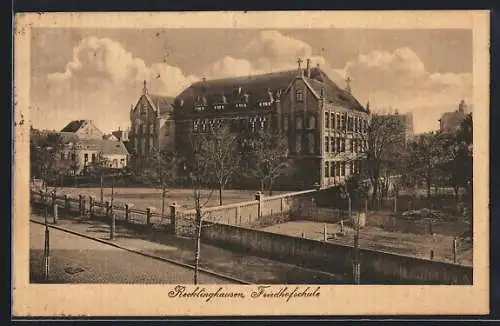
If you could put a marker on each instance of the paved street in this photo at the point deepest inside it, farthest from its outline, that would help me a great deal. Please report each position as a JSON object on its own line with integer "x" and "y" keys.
{"x": 238, "y": 265}
{"x": 76, "y": 259}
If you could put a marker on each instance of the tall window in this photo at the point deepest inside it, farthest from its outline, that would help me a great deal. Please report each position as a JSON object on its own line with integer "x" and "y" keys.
{"x": 342, "y": 169}
{"x": 327, "y": 144}
{"x": 298, "y": 123}
{"x": 342, "y": 145}
{"x": 337, "y": 145}
{"x": 327, "y": 169}
{"x": 143, "y": 146}
{"x": 298, "y": 143}
{"x": 332, "y": 168}
{"x": 299, "y": 96}
{"x": 312, "y": 122}
{"x": 285, "y": 123}
{"x": 312, "y": 143}
{"x": 93, "y": 157}
{"x": 333, "y": 120}
{"x": 151, "y": 144}
{"x": 327, "y": 120}
{"x": 332, "y": 144}
{"x": 337, "y": 169}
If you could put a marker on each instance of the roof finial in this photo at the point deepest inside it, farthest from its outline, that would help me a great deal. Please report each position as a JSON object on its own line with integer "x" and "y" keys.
{"x": 144, "y": 87}
{"x": 299, "y": 61}
{"x": 368, "y": 105}
{"x": 348, "y": 84}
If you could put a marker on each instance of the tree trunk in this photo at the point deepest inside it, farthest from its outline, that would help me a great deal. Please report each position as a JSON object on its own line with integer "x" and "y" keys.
{"x": 271, "y": 187}
{"x": 220, "y": 195}
{"x": 102, "y": 191}
{"x": 198, "y": 245}
{"x": 262, "y": 185}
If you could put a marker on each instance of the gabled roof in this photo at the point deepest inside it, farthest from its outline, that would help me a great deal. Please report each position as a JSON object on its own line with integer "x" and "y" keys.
{"x": 258, "y": 87}
{"x": 73, "y": 126}
{"x": 106, "y": 146}
{"x": 165, "y": 104}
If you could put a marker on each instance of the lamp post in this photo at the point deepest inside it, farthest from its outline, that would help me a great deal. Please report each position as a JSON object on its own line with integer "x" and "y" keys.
{"x": 46, "y": 251}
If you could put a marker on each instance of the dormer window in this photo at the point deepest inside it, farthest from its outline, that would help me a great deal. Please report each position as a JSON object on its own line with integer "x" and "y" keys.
{"x": 199, "y": 108}
{"x": 219, "y": 106}
{"x": 299, "y": 96}
{"x": 241, "y": 105}
{"x": 265, "y": 104}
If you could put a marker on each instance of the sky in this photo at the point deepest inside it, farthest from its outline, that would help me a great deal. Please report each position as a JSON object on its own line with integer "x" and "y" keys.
{"x": 97, "y": 74}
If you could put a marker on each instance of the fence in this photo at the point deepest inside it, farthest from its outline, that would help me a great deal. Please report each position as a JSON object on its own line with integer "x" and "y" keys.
{"x": 89, "y": 207}
{"x": 376, "y": 266}
{"x": 257, "y": 213}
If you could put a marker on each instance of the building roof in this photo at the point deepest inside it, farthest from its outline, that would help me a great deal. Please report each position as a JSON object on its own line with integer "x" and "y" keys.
{"x": 261, "y": 87}
{"x": 73, "y": 126}
{"x": 106, "y": 146}
{"x": 165, "y": 104}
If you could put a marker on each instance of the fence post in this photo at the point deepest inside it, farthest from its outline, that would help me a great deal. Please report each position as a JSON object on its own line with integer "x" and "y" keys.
{"x": 395, "y": 205}
{"x": 56, "y": 213}
{"x": 91, "y": 206}
{"x": 173, "y": 217}
{"x": 342, "y": 226}
{"x": 148, "y": 216}
{"x": 237, "y": 215}
{"x": 80, "y": 204}
{"x": 67, "y": 208}
{"x": 258, "y": 197}
{"x": 107, "y": 209}
{"x": 126, "y": 213}
{"x": 325, "y": 233}
{"x": 113, "y": 226}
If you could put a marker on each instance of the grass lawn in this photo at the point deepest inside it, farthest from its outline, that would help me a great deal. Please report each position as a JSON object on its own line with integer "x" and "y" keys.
{"x": 150, "y": 197}
{"x": 376, "y": 238}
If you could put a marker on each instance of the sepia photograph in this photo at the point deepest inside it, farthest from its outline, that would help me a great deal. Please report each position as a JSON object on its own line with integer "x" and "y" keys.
{"x": 250, "y": 162}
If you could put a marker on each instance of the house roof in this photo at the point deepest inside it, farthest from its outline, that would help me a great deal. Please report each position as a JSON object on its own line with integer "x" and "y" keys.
{"x": 73, "y": 126}
{"x": 106, "y": 146}
{"x": 165, "y": 104}
{"x": 259, "y": 87}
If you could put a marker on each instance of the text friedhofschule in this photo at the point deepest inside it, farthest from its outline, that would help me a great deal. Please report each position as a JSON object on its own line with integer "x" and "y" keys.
{"x": 262, "y": 291}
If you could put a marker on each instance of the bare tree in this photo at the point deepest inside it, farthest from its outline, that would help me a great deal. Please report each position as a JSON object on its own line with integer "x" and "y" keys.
{"x": 48, "y": 159}
{"x": 162, "y": 171}
{"x": 199, "y": 169}
{"x": 220, "y": 149}
{"x": 268, "y": 157}
{"x": 384, "y": 140}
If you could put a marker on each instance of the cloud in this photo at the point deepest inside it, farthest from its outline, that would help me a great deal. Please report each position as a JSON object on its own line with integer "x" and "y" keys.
{"x": 269, "y": 51}
{"x": 100, "y": 82}
{"x": 399, "y": 79}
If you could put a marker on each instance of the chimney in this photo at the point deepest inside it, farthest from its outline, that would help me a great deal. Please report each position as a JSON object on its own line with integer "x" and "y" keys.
{"x": 144, "y": 88}
{"x": 299, "y": 62}
{"x": 308, "y": 68}
{"x": 348, "y": 84}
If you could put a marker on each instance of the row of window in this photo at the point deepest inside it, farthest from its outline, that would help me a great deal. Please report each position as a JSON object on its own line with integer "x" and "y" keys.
{"x": 299, "y": 125}
{"x": 311, "y": 143}
{"x": 140, "y": 145}
{"x": 144, "y": 127}
{"x": 340, "y": 145}
{"x": 338, "y": 168}
{"x": 235, "y": 125}
{"x": 222, "y": 106}
{"x": 344, "y": 121}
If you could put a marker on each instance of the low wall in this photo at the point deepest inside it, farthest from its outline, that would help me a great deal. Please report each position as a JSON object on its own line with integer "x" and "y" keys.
{"x": 376, "y": 267}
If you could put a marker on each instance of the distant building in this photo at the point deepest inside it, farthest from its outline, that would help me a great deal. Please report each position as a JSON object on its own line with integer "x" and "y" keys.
{"x": 152, "y": 127}
{"x": 451, "y": 120}
{"x": 84, "y": 151}
{"x": 321, "y": 121}
{"x": 406, "y": 124}
{"x": 83, "y": 129}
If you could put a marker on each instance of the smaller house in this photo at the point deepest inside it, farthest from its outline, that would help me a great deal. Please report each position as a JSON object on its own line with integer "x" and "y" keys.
{"x": 87, "y": 151}
{"x": 83, "y": 129}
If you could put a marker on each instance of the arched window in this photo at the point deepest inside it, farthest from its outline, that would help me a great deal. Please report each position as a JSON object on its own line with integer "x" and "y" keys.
{"x": 312, "y": 122}
{"x": 298, "y": 123}
{"x": 312, "y": 144}
{"x": 298, "y": 143}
